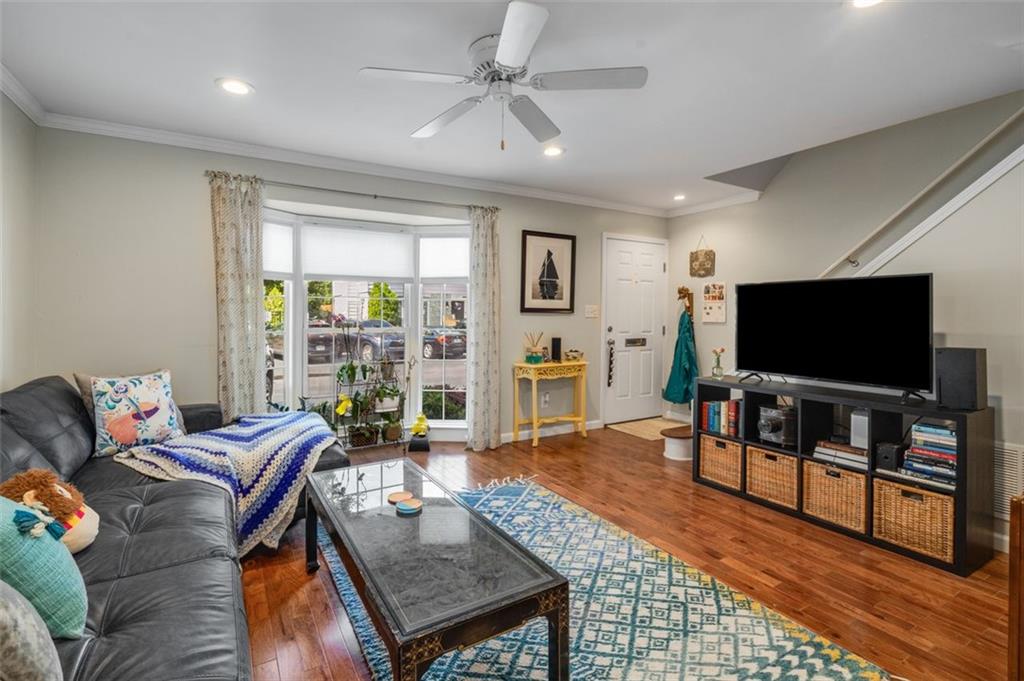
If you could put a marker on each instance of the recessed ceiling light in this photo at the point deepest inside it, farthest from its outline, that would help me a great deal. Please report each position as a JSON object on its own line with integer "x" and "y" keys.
{"x": 234, "y": 86}
{"x": 679, "y": 197}
{"x": 861, "y": 4}
{"x": 553, "y": 150}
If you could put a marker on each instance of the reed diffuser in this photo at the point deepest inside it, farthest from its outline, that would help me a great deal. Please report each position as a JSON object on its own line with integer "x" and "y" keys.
{"x": 534, "y": 351}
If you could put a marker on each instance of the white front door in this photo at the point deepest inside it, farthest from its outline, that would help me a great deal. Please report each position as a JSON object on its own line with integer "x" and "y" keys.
{"x": 634, "y": 331}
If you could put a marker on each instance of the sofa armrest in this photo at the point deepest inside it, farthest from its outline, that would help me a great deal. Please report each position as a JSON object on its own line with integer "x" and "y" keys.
{"x": 201, "y": 417}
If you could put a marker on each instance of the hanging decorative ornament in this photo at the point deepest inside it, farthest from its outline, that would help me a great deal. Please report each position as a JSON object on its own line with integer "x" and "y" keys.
{"x": 702, "y": 260}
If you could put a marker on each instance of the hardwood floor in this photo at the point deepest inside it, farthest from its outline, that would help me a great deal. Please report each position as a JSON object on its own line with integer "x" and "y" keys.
{"x": 913, "y": 620}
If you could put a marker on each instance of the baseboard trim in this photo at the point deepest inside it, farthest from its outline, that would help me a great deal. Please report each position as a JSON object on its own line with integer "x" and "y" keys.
{"x": 442, "y": 434}
{"x": 552, "y": 429}
{"x": 1001, "y": 542}
{"x": 677, "y": 416}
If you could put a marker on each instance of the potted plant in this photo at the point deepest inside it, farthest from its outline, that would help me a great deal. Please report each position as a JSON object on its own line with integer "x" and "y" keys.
{"x": 367, "y": 370}
{"x": 392, "y": 430}
{"x": 387, "y": 367}
{"x": 388, "y": 398}
{"x": 363, "y": 434}
{"x": 716, "y": 370}
{"x": 347, "y": 373}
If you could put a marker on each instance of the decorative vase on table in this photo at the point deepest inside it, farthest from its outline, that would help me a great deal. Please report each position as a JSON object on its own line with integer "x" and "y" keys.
{"x": 717, "y": 372}
{"x": 534, "y": 355}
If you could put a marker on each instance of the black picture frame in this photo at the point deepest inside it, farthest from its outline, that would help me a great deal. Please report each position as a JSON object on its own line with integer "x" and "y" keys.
{"x": 534, "y": 302}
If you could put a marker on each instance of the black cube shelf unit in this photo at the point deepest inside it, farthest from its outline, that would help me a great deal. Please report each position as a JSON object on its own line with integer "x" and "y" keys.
{"x": 967, "y": 522}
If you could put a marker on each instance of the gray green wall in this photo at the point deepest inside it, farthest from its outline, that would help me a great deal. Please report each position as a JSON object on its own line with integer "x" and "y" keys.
{"x": 17, "y": 290}
{"x": 125, "y": 229}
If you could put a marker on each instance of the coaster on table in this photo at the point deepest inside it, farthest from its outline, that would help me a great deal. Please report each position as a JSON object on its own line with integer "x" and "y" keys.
{"x": 395, "y": 497}
{"x": 409, "y": 507}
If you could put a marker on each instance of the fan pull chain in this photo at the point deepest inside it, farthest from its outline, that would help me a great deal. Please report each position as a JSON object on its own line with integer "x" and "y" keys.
{"x": 503, "y": 126}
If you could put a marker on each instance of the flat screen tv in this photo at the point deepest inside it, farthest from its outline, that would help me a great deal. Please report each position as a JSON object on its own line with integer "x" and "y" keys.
{"x": 873, "y": 331}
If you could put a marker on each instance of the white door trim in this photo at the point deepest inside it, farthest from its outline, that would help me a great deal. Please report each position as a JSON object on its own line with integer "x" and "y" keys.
{"x": 602, "y": 377}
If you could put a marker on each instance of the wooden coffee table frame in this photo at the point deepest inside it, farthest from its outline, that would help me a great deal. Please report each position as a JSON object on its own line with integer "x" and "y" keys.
{"x": 412, "y": 657}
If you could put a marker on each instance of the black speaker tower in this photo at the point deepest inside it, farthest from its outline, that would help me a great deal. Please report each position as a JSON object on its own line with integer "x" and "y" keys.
{"x": 961, "y": 378}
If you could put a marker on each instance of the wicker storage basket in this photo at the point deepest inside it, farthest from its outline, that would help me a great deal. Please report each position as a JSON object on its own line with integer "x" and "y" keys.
{"x": 836, "y": 495}
{"x": 915, "y": 519}
{"x": 720, "y": 461}
{"x": 772, "y": 476}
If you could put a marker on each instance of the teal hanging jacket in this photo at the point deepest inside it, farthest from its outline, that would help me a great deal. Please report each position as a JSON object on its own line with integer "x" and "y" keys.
{"x": 679, "y": 388}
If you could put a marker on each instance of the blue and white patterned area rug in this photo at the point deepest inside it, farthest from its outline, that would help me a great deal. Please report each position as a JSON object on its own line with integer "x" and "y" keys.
{"x": 637, "y": 612}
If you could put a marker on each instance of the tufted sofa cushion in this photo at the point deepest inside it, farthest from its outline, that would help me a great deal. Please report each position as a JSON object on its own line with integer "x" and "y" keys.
{"x": 17, "y": 454}
{"x": 48, "y": 413}
{"x": 156, "y": 526}
{"x": 103, "y": 473}
{"x": 180, "y": 623}
{"x": 164, "y": 588}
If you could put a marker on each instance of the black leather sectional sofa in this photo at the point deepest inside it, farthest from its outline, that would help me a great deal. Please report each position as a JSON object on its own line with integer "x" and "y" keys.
{"x": 163, "y": 577}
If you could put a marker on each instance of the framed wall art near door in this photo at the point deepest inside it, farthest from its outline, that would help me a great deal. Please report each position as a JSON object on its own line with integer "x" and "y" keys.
{"x": 548, "y": 278}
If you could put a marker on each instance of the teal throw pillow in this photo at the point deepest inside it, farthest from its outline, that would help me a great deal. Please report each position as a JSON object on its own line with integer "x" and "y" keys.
{"x": 42, "y": 570}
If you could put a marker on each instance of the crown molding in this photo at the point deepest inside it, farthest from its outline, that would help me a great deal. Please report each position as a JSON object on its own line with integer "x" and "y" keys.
{"x": 742, "y": 197}
{"x": 21, "y": 97}
{"x": 27, "y": 103}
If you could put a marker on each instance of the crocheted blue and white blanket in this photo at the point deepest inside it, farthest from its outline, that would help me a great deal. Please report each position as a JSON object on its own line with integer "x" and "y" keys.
{"x": 261, "y": 460}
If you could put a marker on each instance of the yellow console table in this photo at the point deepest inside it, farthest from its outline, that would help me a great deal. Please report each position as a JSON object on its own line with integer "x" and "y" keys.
{"x": 549, "y": 371}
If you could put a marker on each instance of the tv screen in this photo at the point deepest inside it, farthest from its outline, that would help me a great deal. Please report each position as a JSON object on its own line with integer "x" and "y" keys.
{"x": 872, "y": 331}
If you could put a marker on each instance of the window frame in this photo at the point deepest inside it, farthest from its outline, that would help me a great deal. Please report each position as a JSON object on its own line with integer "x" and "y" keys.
{"x": 296, "y": 297}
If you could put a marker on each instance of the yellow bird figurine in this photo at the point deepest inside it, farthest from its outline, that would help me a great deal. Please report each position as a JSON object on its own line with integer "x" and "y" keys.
{"x": 344, "y": 404}
{"x": 420, "y": 427}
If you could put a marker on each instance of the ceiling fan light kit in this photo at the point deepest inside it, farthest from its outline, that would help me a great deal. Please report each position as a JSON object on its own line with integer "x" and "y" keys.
{"x": 500, "y": 61}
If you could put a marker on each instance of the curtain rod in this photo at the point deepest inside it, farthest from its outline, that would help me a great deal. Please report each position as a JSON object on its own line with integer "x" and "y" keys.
{"x": 366, "y": 194}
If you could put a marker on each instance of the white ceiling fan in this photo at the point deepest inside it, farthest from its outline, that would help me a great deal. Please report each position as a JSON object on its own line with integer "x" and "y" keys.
{"x": 500, "y": 61}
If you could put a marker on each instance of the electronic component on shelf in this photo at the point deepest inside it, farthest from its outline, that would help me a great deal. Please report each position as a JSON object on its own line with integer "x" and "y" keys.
{"x": 859, "y": 428}
{"x": 777, "y": 425}
{"x": 888, "y": 455}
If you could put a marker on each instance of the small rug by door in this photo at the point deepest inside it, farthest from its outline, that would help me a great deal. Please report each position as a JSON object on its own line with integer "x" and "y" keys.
{"x": 637, "y": 612}
{"x": 648, "y": 429}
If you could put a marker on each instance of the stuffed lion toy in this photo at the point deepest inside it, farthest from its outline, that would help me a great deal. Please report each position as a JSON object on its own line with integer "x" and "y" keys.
{"x": 59, "y": 506}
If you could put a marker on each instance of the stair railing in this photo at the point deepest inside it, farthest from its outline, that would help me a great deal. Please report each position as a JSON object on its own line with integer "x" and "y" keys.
{"x": 848, "y": 257}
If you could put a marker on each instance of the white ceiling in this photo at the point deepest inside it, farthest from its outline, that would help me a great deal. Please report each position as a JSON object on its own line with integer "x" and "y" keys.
{"x": 730, "y": 83}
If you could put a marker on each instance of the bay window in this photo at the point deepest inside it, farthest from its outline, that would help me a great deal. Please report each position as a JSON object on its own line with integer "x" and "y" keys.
{"x": 366, "y": 292}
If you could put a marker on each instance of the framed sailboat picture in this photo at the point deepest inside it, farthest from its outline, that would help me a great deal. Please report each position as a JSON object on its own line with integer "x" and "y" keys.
{"x": 548, "y": 273}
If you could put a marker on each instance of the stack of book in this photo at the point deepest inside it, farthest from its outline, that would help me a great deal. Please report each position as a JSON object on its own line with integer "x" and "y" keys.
{"x": 837, "y": 452}
{"x": 932, "y": 454}
{"x": 721, "y": 417}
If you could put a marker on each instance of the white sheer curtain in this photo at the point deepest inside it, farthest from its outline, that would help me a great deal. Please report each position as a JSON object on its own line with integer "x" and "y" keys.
{"x": 237, "y": 205}
{"x": 482, "y": 366}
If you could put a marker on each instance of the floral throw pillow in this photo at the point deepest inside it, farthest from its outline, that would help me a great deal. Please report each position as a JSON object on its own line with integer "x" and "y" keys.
{"x": 133, "y": 411}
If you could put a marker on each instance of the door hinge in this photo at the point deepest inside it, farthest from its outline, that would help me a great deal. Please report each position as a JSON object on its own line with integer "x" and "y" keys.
{"x": 662, "y": 329}
{"x": 664, "y": 267}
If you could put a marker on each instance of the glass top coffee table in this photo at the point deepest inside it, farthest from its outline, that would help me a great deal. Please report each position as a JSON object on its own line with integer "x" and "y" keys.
{"x": 439, "y": 581}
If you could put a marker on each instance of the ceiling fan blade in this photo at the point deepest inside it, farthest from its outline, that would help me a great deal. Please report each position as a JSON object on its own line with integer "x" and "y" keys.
{"x": 533, "y": 119}
{"x": 519, "y": 33}
{"x": 625, "y": 78}
{"x": 421, "y": 76}
{"x": 434, "y": 126}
